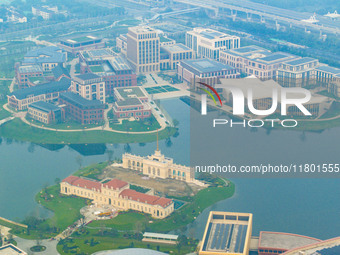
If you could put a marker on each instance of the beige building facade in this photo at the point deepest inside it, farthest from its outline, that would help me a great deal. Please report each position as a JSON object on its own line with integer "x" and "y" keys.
{"x": 89, "y": 86}
{"x": 118, "y": 194}
{"x": 158, "y": 166}
{"x": 143, "y": 49}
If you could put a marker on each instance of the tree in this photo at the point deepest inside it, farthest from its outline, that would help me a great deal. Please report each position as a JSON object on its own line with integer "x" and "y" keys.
{"x": 109, "y": 155}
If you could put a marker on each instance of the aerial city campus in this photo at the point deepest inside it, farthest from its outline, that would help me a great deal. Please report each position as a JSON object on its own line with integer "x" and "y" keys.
{"x": 50, "y": 93}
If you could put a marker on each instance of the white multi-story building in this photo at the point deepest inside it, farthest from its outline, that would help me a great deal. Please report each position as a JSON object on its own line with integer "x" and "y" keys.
{"x": 208, "y": 43}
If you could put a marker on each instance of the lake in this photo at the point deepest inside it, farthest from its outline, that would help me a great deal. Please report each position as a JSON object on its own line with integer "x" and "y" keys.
{"x": 303, "y": 206}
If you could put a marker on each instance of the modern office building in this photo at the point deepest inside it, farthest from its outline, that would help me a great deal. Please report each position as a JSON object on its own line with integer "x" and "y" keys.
{"x": 208, "y": 43}
{"x": 82, "y": 110}
{"x": 297, "y": 73}
{"x": 171, "y": 55}
{"x": 273, "y": 243}
{"x": 47, "y": 57}
{"x": 254, "y": 60}
{"x": 204, "y": 70}
{"x": 227, "y": 233}
{"x": 22, "y": 98}
{"x": 118, "y": 194}
{"x": 82, "y": 43}
{"x": 325, "y": 75}
{"x": 143, "y": 49}
{"x": 89, "y": 86}
{"x": 46, "y": 112}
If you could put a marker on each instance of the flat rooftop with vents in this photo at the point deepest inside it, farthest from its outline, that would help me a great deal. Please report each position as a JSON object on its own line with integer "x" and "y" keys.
{"x": 227, "y": 233}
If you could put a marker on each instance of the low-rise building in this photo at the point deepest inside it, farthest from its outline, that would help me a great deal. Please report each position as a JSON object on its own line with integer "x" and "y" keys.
{"x": 24, "y": 73}
{"x": 254, "y": 60}
{"x": 325, "y": 75}
{"x": 204, "y": 70}
{"x": 22, "y": 98}
{"x": 89, "y": 86}
{"x": 60, "y": 72}
{"x": 172, "y": 54}
{"x": 272, "y": 243}
{"x": 121, "y": 43}
{"x": 208, "y": 43}
{"x": 46, "y": 112}
{"x": 158, "y": 166}
{"x": 131, "y": 102}
{"x": 46, "y": 12}
{"x": 118, "y": 194}
{"x": 227, "y": 233}
{"x": 82, "y": 110}
{"x": 78, "y": 44}
{"x": 47, "y": 57}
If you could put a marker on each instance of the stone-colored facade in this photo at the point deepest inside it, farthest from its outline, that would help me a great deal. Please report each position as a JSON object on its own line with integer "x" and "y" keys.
{"x": 118, "y": 194}
{"x": 157, "y": 165}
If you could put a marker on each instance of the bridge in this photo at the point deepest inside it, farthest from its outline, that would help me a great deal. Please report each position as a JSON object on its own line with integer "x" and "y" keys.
{"x": 174, "y": 13}
{"x": 6, "y": 120}
{"x": 267, "y": 12}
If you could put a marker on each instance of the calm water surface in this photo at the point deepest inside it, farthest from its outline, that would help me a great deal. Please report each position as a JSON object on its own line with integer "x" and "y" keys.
{"x": 302, "y": 206}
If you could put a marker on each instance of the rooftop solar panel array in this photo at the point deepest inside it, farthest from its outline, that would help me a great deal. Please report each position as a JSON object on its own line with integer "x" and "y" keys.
{"x": 225, "y": 237}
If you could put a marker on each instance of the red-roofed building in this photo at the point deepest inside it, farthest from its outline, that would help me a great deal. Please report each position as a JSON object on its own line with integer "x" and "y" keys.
{"x": 117, "y": 193}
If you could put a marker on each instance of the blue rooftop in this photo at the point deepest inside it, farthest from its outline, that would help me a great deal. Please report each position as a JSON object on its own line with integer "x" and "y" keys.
{"x": 44, "y": 106}
{"x": 50, "y": 54}
{"x": 204, "y": 65}
{"x": 81, "y": 102}
{"x": 300, "y": 61}
{"x": 328, "y": 69}
{"x": 54, "y": 86}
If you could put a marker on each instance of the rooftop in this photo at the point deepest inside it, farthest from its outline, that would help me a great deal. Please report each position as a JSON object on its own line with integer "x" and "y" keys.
{"x": 115, "y": 184}
{"x": 159, "y": 235}
{"x": 204, "y": 65}
{"x": 30, "y": 69}
{"x": 301, "y": 61}
{"x": 178, "y": 47}
{"x": 227, "y": 233}
{"x": 129, "y": 102}
{"x": 210, "y": 34}
{"x": 59, "y": 70}
{"x": 142, "y": 29}
{"x": 83, "y": 183}
{"x": 54, "y": 86}
{"x": 82, "y": 39}
{"x": 50, "y": 54}
{"x": 80, "y": 101}
{"x": 11, "y": 249}
{"x": 87, "y": 76}
{"x": 119, "y": 64}
{"x": 145, "y": 198}
{"x": 44, "y": 106}
{"x": 130, "y": 251}
{"x": 285, "y": 241}
{"x": 328, "y": 69}
{"x": 130, "y": 92}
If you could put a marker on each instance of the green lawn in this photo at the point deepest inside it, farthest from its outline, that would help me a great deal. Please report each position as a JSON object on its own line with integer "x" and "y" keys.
{"x": 96, "y": 69}
{"x": 126, "y": 221}
{"x": 18, "y": 130}
{"x": 149, "y": 124}
{"x": 67, "y": 125}
{"x": 101, "y": 243}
